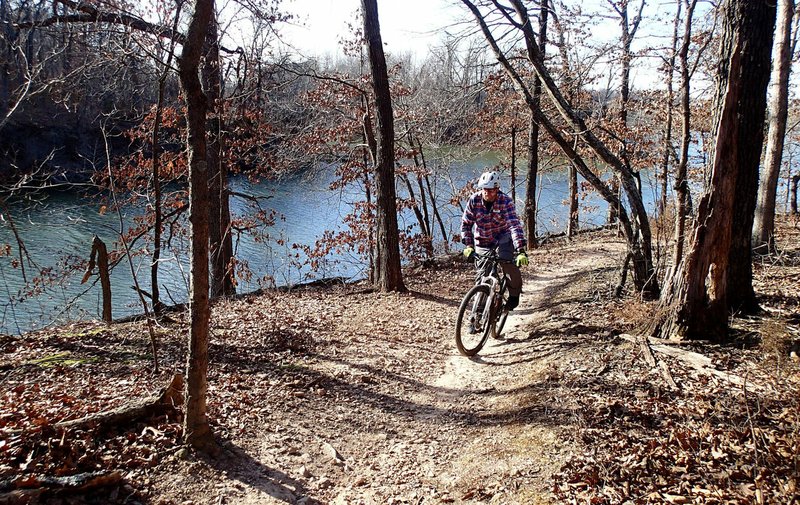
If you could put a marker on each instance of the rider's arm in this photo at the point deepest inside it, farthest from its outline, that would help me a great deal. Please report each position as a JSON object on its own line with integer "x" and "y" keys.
{"x": 517, "y": 234}
{"x": 467, "y": 221}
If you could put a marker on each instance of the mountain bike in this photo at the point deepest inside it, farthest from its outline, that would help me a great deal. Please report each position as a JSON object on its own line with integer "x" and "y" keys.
{"x": 483, "y": 310}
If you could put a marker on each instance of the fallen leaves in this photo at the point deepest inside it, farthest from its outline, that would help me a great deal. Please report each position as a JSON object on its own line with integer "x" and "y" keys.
{"x": 330, "y": 391}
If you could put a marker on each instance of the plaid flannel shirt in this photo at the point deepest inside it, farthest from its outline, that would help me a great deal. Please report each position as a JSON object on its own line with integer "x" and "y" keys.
{"x": 490, "y": 226}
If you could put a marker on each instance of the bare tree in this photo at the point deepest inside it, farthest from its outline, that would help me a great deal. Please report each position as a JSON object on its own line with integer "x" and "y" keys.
{"x": 533, "y": 139}
{"x": 764, "y": 224}
{"x": 669, "y": 70}
{"x": 197, "y": 431}
{"x": 681, "y": 180}
{"x": 699, "y": 298}
{"x": 637, "y": 232}
{"x": 220, "y": 241}
{"x": 572, "y": 84}
{"x": 389, "y": 276}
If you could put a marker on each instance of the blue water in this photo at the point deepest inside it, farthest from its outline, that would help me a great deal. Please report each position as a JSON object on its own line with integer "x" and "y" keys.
{"x": 59, "y": 231}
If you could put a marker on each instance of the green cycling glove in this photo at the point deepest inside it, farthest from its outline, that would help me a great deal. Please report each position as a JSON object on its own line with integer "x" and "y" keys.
{"x": 469, "y": 252}
{"x": 521, "y": 259}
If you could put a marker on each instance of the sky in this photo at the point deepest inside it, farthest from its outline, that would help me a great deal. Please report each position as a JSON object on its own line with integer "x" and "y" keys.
{"x": 406, "y": 25}
{"x": 414, "y": 25}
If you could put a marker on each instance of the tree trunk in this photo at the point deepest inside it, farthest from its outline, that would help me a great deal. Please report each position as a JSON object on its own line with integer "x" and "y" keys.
{"x": 764, "y": 224}
{"x": 793, "y": 199}
{"x": 572, "y": 224}
{"x": 423, "y": 200}
{"x": 568, "y": 76}
{"x": 533, "y": 174}
{"x": 741, "y": 295}
{"x": 227, "y": 260}
{"x": 389, "y": 275}
{"x": 197, "y": 431}
{"x": 681, "y": 182}
{"x": 418, "y": 213}
{"x": 513, "y": 165}
{"x": 668, "y": 147}
{"x": 705, "y": 283}
{"x": 158, "y": 307}
{"x": 432, "y": 197}
{"x": 99, "y": 256}
{"x": 629, "y": 29}
{"x": 211, "y": 84}
{"x": 533, "y": 139}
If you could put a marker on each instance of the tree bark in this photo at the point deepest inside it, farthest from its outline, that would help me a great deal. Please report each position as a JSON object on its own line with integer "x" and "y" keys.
{"x": 568, "y": 76}
{"x": 220, "y": 239}
{"x": 197, "y": 431}
{"x": 158, "y": 307}
{"x": 764, "y": 224}
{"x": 741, "y": 295}
{"x": 389, "y": 276}
{"x": 533, "y": 174}
{"x": 706, "y": 283}
{"x": 629, "y": 28}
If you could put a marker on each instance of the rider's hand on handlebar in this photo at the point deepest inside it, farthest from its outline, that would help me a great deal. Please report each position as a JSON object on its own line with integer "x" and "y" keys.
{"x": 521, "y": 259}
{"x": 469, "y": 252}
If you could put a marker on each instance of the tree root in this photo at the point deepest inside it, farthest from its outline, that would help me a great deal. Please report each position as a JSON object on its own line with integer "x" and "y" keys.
{"x": 166, "y": 400}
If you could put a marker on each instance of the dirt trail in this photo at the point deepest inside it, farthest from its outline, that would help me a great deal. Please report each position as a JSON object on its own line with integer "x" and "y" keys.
{"x": 409, "y": 420}
{"x": 389, "y": 412}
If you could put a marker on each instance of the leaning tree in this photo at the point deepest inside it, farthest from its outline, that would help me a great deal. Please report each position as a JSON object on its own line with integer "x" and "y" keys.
{"x": 636, "y": 227}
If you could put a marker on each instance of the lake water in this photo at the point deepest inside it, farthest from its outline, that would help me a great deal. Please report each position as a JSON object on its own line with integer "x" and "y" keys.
{"x": 59, "y": 231}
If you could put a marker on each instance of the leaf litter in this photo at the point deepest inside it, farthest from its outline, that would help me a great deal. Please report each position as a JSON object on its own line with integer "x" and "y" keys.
{"x": 338, "y": 395}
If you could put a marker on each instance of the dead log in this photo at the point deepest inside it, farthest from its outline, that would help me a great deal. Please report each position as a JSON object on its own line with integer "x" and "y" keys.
{"x": 647, "y": 353}
{"x": 30, "y": 489}
{"x": 164, "y": 401}
{"x": 696, "y": 361}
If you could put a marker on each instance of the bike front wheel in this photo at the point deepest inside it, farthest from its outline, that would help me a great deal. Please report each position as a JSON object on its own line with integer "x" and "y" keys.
{"x": 501, "y": 320}
{"x": 474, "y": 324}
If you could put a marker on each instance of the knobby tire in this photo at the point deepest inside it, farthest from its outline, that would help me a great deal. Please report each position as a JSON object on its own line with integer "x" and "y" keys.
{"x": 470, "y": 345}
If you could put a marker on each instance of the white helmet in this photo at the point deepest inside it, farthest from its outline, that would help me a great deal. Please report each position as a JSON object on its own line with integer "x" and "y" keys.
{"x": 489, "y": 180}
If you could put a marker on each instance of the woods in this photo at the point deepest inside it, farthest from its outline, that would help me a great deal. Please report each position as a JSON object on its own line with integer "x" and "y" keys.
{"x": 669, "y": 131}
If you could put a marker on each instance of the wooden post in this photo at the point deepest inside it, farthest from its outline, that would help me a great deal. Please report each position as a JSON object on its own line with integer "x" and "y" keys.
{"x": 100, "y": 253}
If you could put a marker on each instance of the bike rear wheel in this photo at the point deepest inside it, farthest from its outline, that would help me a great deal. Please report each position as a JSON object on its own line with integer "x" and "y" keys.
{"x": 474, "y": 323}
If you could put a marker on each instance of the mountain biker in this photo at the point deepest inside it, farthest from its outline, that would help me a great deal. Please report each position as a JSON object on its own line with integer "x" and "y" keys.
{"x": 490, "y": 221}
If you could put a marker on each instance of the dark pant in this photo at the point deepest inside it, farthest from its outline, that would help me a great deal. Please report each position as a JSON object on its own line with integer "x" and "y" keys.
{"x": 505, "y": 250}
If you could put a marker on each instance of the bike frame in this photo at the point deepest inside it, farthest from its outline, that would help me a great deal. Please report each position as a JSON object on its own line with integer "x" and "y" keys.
{"x": 484, "y": 302}
{"x": 490, "y": 276}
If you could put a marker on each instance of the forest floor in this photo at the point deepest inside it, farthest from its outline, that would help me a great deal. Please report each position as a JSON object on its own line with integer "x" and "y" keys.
{"x": 342, "y": 395}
